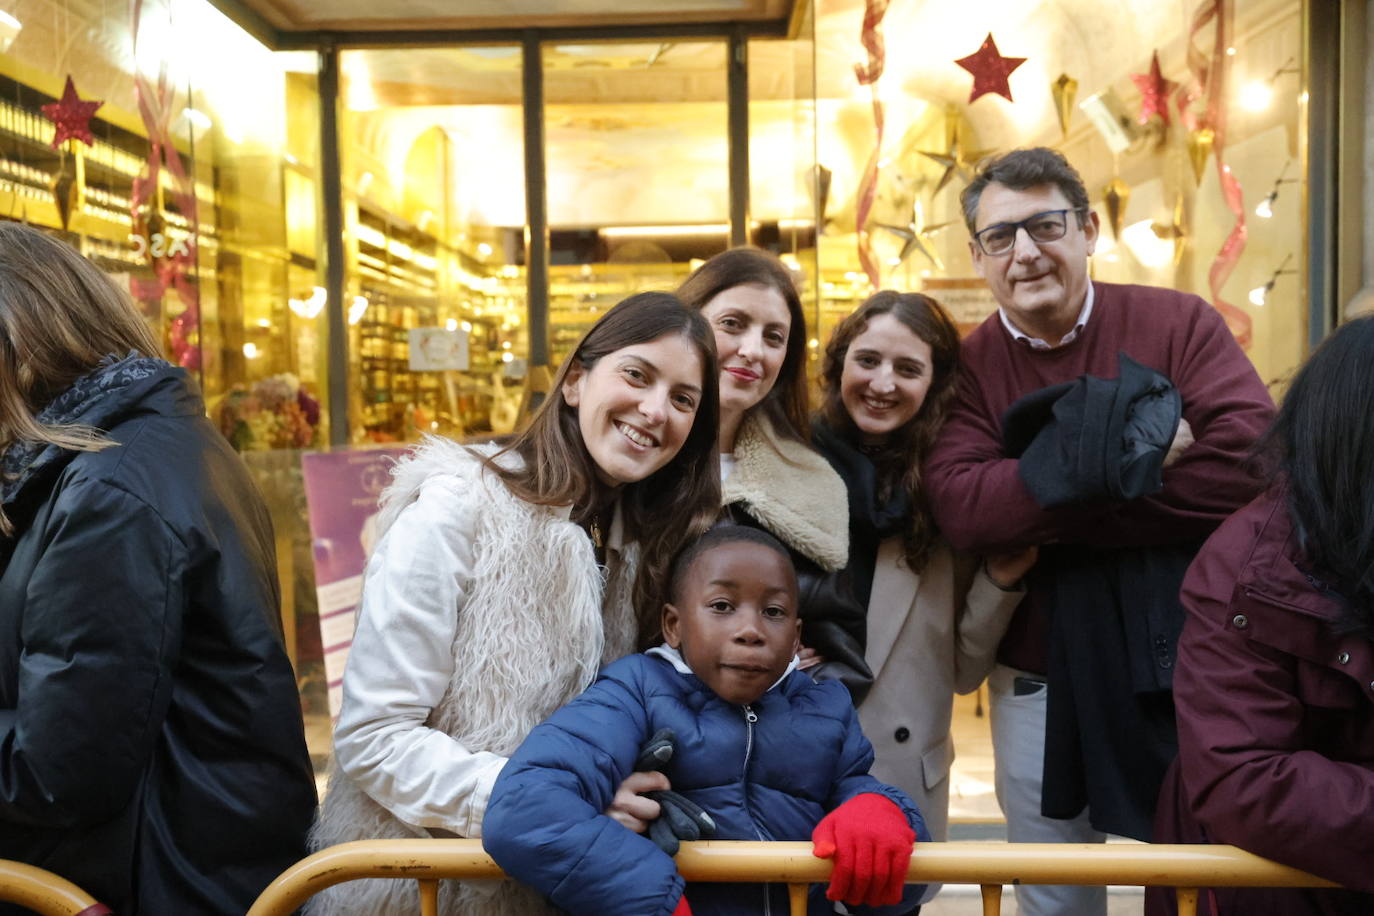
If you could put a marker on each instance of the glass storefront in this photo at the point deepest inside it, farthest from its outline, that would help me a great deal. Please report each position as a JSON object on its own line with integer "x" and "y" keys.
{"x": 1185, "y": 122}
{"x": 202, "y": 192}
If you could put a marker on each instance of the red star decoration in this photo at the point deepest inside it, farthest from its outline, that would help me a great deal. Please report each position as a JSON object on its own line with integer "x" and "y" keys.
{"x": 72, "y": 116}
{"x": 1154, "y": 92}
{"x": 990, "y": 70}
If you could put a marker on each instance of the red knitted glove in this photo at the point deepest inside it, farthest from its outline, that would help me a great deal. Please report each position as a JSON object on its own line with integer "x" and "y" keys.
{"x": 871, "y": 842}
{"x": 682, "y": 908}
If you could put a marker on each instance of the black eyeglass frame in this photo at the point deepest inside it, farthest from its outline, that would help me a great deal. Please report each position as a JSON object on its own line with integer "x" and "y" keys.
{"x": 1017, "y": 226}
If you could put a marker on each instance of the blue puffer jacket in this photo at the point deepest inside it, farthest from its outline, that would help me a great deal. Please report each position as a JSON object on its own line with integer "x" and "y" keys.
{"x": 768, "y": 771}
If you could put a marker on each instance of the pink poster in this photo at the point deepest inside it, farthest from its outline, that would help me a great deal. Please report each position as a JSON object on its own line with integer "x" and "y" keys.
{"x": 341, "y": 490}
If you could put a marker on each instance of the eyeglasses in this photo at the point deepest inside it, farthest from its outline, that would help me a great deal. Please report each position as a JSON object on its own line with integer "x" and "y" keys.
{"x": 1047, "y": 226}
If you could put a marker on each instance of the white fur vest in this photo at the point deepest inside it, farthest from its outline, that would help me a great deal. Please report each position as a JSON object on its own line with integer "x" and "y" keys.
{"x": 531, "y": 635}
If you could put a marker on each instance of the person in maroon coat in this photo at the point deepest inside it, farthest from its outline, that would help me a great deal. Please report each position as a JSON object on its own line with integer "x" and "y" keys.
{"x": 1033, "y": 233}
{"x": 1275, "y": 683}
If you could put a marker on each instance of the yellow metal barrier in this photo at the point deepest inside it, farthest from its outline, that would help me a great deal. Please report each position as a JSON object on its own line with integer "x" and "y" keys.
{"x": 43, "y": 892}
{"x": 988, "y": 864}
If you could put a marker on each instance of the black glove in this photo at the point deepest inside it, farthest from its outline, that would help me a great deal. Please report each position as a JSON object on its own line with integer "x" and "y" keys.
{"x": 680, "y": 818}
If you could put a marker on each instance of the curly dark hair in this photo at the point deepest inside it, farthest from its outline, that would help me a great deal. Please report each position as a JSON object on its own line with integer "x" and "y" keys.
{"x": 898, "y": 460}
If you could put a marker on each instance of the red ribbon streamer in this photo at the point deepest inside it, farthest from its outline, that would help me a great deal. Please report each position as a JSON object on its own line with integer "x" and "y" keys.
{"x": 872, "y": 38}
{"x": 1209, "y": 86}
{"x": 155, "y": 106}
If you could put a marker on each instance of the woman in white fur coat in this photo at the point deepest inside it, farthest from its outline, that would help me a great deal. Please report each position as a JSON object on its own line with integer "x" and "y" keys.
{"x": 771, "y": 477}
{"x": 934, "y": 618}
{"x": 504, "y": 579}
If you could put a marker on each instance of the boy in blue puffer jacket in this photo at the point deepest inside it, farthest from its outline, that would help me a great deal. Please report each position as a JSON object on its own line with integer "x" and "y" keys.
{"x": 766, "y": 751}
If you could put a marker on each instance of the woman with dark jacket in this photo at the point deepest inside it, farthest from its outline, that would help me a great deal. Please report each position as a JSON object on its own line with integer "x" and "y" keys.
{"x": 1275, "y": 679}
{"x": 151, "y": 747}
{"x": 771, "y": 477}
{"x": 934, "y": 617}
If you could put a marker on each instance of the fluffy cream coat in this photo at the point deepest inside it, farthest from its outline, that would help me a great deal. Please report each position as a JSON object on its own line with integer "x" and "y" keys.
{"x": 531, "y": 635}
{"x": 792, "y": 491}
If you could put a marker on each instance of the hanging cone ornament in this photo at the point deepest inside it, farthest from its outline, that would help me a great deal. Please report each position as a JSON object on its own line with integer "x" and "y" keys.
{"x": 1199, "y": 148}
{"x": 820, "y": 186}
{"x": 63, "y": 188}
{"x": 1115, "y": 196}
{"x": 1064, "y": 90}
{"x": 1175, "y": 232}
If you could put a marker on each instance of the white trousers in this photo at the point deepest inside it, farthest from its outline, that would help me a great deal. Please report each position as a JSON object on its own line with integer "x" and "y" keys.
{"x": 1018, "y": 748}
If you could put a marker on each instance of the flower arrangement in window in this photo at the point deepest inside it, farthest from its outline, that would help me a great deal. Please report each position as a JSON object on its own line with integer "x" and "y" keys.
{"x": 272, "y": 413}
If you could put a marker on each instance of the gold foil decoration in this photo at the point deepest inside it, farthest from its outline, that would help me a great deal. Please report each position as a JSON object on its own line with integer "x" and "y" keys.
{"x": 63, "y": 188}
{"x": 1176, "y": 232}
{"x": 956, "y": 160}
{"x": 1199, "y": 148}
{"x": 1065, "y": 90}
{"x": 1115, "y": 195}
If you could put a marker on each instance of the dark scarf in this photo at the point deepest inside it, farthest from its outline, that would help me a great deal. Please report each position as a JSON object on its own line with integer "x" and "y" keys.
{"x": 871, "y": 519}
{"x": 91, "y": 401}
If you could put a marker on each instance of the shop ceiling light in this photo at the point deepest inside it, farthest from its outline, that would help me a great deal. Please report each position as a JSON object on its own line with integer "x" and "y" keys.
{"x": 356, "y": 310}
{"x": 309, "y": 308}
{"x": 1265, "y": 209}
{"x": 1256, "y": 96}
{"x": 1259, "y": 294}
{"x": 9, "y": 30}
{"x": 197, "y": 118}
{"x": 686, "y": 229}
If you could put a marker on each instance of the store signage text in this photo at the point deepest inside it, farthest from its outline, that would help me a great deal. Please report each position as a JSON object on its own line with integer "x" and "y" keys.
{"x": 159, "y": 246}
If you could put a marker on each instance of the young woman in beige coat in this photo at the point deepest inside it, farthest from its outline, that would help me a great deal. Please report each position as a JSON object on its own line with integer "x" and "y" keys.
{"x": 934, "y": 617}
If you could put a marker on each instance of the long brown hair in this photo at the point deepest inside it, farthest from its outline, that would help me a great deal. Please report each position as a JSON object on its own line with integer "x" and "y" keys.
{"x": 898, "y": 460}
{"x": 59, "y": 317}
{"x": 787, "y": 405}
{"x": 669, "y": 507}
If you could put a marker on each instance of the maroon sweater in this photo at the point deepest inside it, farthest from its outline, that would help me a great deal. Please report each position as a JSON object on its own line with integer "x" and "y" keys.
{"x": 979, "y": 500}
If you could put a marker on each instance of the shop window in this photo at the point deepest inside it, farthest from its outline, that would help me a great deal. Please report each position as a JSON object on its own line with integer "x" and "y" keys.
{"x": 431, "y": 146}
{"x": 1186, "y": 127}
{"x": 637, "y": 160}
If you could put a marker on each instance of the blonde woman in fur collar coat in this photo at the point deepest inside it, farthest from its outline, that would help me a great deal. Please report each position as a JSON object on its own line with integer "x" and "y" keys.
{"x": 504, "y": 579}
{"x": 934, "y": 618}
{"x": 771, "y": 477}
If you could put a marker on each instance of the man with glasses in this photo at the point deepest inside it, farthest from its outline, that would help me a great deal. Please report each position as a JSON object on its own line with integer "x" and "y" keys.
{"x": 1032, "y": 234}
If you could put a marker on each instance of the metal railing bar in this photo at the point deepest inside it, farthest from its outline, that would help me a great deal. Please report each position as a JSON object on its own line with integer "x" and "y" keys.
{"x": 41, "y": 891}
{"x": 988, "y": 864}
{"x": 429, "y": 897}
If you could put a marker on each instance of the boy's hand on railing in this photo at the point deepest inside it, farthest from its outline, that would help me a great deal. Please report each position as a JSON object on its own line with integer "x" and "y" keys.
{"x": 871, "y": 842}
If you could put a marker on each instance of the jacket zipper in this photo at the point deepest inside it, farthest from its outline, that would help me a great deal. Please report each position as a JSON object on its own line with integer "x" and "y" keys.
{"x": 751, "y": 717}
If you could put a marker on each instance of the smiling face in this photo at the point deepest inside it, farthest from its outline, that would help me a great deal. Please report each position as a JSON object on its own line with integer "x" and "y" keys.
{"x": 751, "y": 324}
{"x": 1041, "y": 285}
{"x": 636, "y": 405}
{"x": 887, "y": 373}
{"x": 735, "y": 621}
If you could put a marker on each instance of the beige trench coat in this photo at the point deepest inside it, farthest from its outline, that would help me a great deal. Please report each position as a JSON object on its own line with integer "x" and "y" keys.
{"x": 928, "y": 636}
